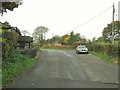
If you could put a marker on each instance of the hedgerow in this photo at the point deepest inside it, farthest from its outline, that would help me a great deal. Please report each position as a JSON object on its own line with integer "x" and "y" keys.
{"x": 13, "y": 62}
{"x": 105, "y": 48}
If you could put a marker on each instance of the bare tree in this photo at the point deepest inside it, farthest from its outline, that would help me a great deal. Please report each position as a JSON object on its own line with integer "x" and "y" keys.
{"x": 25, "y": 32}
{"x": 39, "y": 34}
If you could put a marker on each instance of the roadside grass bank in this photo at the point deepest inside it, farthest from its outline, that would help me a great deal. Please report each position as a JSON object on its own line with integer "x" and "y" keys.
{"x": 104, "y": 57}
{"x": 15, "y": 65}
{"x": 57, "y": 47}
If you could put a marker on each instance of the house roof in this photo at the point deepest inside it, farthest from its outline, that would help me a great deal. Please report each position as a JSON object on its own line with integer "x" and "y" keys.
{"x": 25, "y": 39}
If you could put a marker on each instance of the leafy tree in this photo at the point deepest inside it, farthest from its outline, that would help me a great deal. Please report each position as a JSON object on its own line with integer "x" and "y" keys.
{"x": 39, "y": 34}
{"x": 100, "y": 39}
{"x": 5, "y": 25}
{"x": 65, "y": 39}
{"x": 83, "y": 40}
{"x": 93, "y": 39}
{"x": 56, "y": 39}
{"x": 73, "y": 38}
{"x": 107, "y": 32}
{"x": 9, "y": 5}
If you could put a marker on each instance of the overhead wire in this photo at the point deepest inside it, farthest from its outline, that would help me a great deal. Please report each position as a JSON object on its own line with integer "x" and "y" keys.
{"x": 92, "y": 18}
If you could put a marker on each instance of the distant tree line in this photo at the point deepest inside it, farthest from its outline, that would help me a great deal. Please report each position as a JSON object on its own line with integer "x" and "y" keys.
{"x": 72, "y": 39}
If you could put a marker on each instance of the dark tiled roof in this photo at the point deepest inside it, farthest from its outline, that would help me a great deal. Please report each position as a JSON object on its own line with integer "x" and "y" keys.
{"x": 25, "y": 39}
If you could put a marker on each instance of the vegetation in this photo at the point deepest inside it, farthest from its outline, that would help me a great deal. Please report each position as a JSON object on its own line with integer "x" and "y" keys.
{"x": 14, "y": 65}
{"x": 101, "y": 45}
{"x": 105, "y": 48}
{"x": 72, "y": 40}
{"x": 56, "y": 47}
{"x": 104, "y": 57}
{"x": 106, "y": 51}
{"x": 107, "y": 32}
{"x": 13, "y": 62}
{"x": 9, "y": 5}
{"x": 39, "y": 35}
{"x": 9, "y": 39}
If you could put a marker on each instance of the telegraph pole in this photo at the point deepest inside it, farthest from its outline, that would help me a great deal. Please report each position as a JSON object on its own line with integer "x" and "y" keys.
{"x": 113, "y": 24}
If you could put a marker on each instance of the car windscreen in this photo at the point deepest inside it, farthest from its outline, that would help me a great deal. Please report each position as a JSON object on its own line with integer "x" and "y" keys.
{"x": 81, "y": 47}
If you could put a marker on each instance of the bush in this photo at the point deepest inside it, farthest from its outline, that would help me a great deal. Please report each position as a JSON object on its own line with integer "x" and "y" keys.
{"x": 106, "y": 48}
{"x": 31, "y": 52}
{"x": 57, "y": 46}
{"x": 14, "y": 65}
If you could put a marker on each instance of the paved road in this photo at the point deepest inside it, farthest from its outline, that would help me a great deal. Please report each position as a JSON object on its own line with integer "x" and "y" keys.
{"x": 66, "y": 69}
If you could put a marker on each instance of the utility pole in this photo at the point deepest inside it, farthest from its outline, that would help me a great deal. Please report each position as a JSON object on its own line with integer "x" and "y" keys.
{"x": 113, "y": 24}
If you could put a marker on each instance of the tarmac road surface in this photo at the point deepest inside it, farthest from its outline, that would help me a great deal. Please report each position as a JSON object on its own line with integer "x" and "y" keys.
{"x": 66, "y": 69}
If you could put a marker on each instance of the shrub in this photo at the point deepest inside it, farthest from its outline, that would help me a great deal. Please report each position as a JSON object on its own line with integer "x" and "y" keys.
{"x": 57, "y": 46}
{"x": 14, "y": 65}
{"x": 106, "y": 48}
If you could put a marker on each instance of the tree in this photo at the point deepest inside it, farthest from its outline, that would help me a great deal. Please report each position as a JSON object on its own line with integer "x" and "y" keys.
{"x": 107, "y": 32}
{"x": 93, "y": 39}
{"x": 25, "y": 32}
{"x": 56, "y": 39}
{"x": 73, "y": 38}
{"x": 39, "y": 34}
{"x": 64, "y": 39}
{"x": 9, "y": 5}
{"x": 100, "y": 39}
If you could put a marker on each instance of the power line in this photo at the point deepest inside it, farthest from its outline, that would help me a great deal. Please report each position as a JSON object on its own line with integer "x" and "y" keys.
{"x": 93, "y": 18}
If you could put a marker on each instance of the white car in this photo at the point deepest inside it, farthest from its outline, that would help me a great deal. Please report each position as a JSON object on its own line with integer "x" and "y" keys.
{"x": 82, "y": 49}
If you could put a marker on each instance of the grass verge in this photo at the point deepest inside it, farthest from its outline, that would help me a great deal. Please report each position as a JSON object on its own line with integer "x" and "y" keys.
{"x": 104, "y": 57}
{"x": 12, "y": 69}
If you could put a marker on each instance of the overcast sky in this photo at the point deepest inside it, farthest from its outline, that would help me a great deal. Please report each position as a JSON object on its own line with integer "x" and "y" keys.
{"x": 63, "y": 16}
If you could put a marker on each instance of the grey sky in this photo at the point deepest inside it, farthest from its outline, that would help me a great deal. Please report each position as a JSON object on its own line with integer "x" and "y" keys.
{"x": 62, "y": 16}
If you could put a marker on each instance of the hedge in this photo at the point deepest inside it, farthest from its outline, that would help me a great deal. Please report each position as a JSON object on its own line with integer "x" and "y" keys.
{"x": 106, "y": 48}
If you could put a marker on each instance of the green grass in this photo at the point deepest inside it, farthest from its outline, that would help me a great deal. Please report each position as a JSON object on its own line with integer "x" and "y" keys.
{"x": 1, "y": 31}
{"x": 11, "y": 70}
{"x": 103, "y": 57}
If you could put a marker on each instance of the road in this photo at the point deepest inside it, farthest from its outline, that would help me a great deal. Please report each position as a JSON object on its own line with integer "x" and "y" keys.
{"x": 66, "y": 69}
